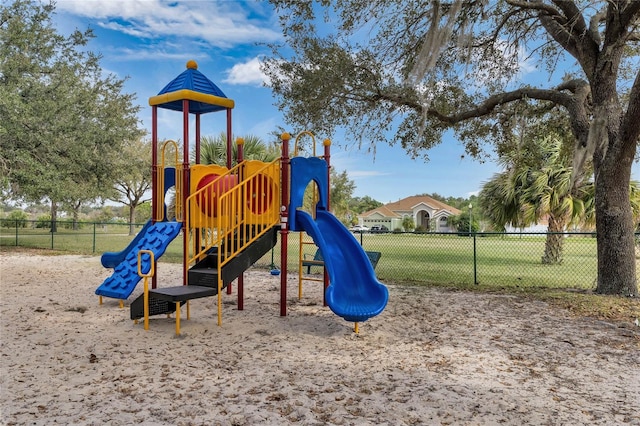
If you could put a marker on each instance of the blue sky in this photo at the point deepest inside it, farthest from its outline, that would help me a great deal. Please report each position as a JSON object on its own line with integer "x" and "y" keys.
{"x": 150, "y": 41}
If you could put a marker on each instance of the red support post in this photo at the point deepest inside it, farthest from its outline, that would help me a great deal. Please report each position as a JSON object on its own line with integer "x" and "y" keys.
{"x": 240, "y": 143}
{"x": 154, "y": 161}
{"x": 185, "y": 186}
{"x": 229, "y": 162}
{"x": 197, "y": 235}
{"x": 198, "y": 138}
{"x": 284, "y": 216}
{"x": 154, "y": 176}
{"x": 229, "y": 153}
{"x": 327, "y": 157}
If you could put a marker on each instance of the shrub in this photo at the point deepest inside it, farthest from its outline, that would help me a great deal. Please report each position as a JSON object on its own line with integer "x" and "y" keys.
{"x": 43, "y": 221}
{"x": 16, "y": 218}
{"x": 67, "y": 223}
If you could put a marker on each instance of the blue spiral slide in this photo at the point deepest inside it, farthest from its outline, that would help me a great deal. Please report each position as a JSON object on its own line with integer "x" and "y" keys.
{"x": 354, "y": 292}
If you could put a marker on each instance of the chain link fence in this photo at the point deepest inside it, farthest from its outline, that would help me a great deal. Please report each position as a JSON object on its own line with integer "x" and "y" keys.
{"x": 80, "y": 237}
{"x": 494, "y": 259}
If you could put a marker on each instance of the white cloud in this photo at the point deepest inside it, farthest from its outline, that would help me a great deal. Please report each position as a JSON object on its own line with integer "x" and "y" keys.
{"x": 155, "y": 53}
{"x": 220, "y": 24}
{"x": 247, "y": 73}
{"x": 526, "y": 64}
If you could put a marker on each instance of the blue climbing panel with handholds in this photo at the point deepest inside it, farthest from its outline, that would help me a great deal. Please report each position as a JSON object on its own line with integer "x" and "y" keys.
{"x": 125, "y": 276}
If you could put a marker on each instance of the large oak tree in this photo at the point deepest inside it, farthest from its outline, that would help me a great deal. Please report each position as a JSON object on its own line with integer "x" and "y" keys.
{"x": 63, "y": 122}
{"x": 404, "y": 72}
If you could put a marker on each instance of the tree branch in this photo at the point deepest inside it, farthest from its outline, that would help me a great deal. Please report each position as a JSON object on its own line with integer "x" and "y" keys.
{"x": 629, "y": 129}
{"x": 560, "y": 34}
{"x": 576, "y": 102}
{"x": 502, "y": 23}
{"x": 573, "y": 85}
{"x": 534, "y": 5}
{"x": 574, "y": 18}
{"x": 566, "y": 25}
{"x": 630, "y": 13}
{"x": 594, "y": 23}
{"x": 492, "y": 102}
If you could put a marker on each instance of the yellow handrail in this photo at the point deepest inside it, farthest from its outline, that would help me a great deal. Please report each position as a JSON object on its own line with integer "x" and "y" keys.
{"x": 160, "y": 182}
{"x": 146, "y": 282}
{"x": 295, "y": 143}
{"x": 240, "y": 206}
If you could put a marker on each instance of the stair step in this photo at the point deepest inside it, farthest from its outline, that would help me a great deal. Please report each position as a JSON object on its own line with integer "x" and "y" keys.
{"x": 182, "y": 293}
{"x": 212, "y": 271}
{"x": 156, "y": 307}
{"x": 203, "y": 278}
{"x": 206, "y": 277}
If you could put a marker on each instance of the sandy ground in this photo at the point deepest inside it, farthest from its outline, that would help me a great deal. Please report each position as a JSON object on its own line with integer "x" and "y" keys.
{"x": 432, "y": 357}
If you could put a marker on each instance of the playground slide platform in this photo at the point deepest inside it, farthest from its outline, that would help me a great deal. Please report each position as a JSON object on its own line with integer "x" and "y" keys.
{"x": 354, "y": 293}
{"x": 154, "y": 237}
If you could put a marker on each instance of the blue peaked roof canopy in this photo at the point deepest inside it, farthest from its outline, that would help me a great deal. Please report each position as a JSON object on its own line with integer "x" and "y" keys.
{"x": 203, "y": 95}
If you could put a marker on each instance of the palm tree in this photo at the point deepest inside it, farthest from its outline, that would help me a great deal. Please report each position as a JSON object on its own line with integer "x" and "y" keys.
{"x": 213, "y": 150}
{"x": 538, "y": 183}
{"x": 408, "y": 224}
{"x": 553, "y": 194}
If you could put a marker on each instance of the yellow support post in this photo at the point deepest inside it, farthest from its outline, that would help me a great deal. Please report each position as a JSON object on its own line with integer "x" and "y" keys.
{"x": 219, "y": 301}
{"x": 121, "y": 304}
{"x": 177, "y": 318}
{"x": 355, "y": 328}
{"x": 100, "y": 301}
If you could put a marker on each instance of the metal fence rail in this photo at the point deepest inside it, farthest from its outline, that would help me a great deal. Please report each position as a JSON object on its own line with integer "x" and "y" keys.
{"x": 496, "y": 259}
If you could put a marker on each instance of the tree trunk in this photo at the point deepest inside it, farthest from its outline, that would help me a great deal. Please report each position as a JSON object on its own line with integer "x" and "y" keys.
{"x": 75, "y": 218}
{"x": 132, "y": 216}
{"x": 54, "y": 216}
{"x": 612, "y": 160}
{"x": 554, "y": 244}
{"x": 614, "y": 222}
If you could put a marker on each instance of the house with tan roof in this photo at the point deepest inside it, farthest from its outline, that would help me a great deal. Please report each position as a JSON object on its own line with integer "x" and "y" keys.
{"x": 432, "y": 215}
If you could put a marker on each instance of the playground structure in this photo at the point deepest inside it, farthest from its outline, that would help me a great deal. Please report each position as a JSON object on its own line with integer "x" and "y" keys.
{"x": 230, "y": 217}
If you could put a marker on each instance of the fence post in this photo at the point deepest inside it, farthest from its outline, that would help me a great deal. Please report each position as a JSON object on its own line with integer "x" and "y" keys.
{"x": 94, "y": 237}
{"x": 16, "y": 232}
{"x": 52, "y": 237}
{"x": 475, "y": 260}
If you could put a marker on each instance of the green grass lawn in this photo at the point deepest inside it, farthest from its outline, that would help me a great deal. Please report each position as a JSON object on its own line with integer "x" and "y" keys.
{"x": 431, "y": 258}
{"x": 449, "y": 259}
{"x": 509, "y": 264}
